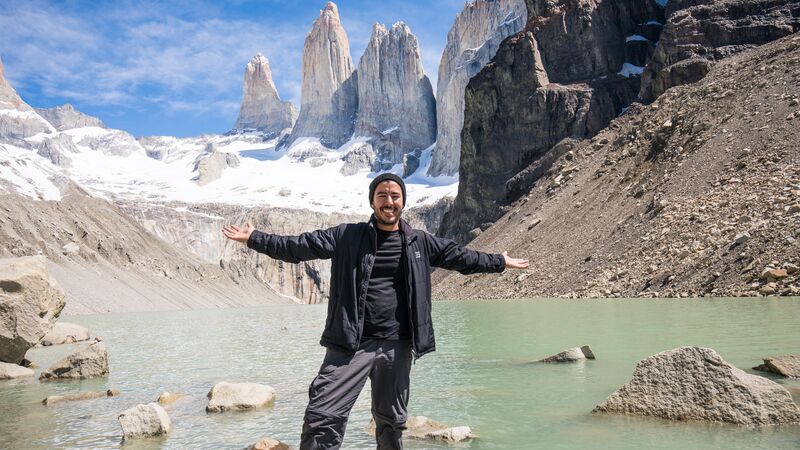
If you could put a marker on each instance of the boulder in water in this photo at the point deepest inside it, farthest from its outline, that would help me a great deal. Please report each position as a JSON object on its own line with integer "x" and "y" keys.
{"x": 9, "y": 371}
{"x": 788, "y": 366}
{"x": 169, "y": 397}
{"x": 695, "y": 383}
{"x": 571, "y": 355}
{"x": 144, "y": 421}
{"x": 79, "y": 396}
{"x": 87, "y": 362}
{"x": 66, "y": 333}
{"x": 30, "y": 303}
{"x": 226, "y": 396}
{"x": 421, "y": 427}
{"x": 269, "y": 443}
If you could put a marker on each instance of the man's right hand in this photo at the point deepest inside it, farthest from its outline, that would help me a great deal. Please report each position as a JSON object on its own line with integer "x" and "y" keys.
{"x": 238, "y": 234}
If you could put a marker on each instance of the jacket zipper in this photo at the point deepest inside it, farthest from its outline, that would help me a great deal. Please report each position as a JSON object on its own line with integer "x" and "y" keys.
{"x": 367, "y": 273}
{"x": 407, "y": 277}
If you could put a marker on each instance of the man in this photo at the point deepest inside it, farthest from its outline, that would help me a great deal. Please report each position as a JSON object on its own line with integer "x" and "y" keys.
{"x": 379, "y": 312}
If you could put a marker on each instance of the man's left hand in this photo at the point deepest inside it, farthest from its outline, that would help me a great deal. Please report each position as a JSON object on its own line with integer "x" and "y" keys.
{"x": 515, "y": 263}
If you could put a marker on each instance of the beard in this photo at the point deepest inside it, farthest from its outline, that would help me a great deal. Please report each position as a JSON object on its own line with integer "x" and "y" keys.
{"x": 380, "y": 216}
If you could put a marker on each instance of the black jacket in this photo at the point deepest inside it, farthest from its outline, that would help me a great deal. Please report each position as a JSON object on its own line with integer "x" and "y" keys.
{"x": 353, "y": 247}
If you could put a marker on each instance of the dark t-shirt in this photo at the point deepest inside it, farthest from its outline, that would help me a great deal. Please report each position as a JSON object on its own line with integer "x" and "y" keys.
{"x": 386, "y": 312}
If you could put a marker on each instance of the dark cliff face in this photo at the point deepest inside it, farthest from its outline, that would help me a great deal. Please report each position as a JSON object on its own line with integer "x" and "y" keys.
{"x": 700, "y": 32}
{"x": 556, "y": 79}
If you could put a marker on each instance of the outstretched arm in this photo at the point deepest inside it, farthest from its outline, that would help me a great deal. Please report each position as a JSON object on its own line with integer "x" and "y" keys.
{"x": 319, "y": 244}
{"x": 447, "y": 254}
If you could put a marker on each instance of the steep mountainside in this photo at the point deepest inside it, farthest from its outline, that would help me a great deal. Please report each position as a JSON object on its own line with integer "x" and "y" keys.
{"x": 106, "y": 261}
{"x": 197, "y": 228}
{"x": 567, "y": 74}
{"x": 697, "y": 193}
{"x": 472, "y": 42}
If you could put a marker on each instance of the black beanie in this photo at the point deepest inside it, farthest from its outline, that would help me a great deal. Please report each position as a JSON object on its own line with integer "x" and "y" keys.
{"x": 386, "y": 177}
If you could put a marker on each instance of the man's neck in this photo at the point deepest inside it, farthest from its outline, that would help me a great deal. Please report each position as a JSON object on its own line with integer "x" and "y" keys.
{"x": 383, "y": 227}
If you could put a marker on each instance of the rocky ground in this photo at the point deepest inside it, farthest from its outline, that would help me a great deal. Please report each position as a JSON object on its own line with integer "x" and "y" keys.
{"x": 695, "y": 194}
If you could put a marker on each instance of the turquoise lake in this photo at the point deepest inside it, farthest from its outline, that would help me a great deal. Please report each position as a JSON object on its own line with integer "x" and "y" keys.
{"x": 481, "y": 374}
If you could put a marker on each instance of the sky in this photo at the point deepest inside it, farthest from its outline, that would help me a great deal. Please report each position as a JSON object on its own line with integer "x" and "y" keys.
{"x": 176, "y": 67}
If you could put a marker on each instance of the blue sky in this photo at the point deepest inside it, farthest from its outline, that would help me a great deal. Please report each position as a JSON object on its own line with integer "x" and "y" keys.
{"x": 175, "y": 67}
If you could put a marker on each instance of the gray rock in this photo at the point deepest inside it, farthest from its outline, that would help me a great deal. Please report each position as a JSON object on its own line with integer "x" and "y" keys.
{"x": 9, "y": 371}
{"x": 66, "y": 117}
{"x": 169, "y": 397}
{"x": 268, "y": 443}
{"x": 143, "y": 421}
{"x": 53, "y": 399}
{"x": 571, "y": 355}
{"x": 472, "y": 42}
{"x": 239, "y": 396}
{"x": 262, "y": 108}
{"x": 30, "y": 303}
{"x": 90, "y": 361}
{"x": 358, "y": 158}
{"x": 788, "y": 366}
{"x": 421, "y": 427}
{"x": 411, "y": 163}
{"x": 212, "y": 163}
{"x": 428, "y": 217}
{"x": 56, "y": 149}
{"x": 67, "y": 333}
{"x": 394, "y": 93}
{"x": 695, "y": 383}
{"x": 329, "y": 96}
{"x": 741, "y": 238}
{"x": 772, "y": 274}
{"x": 70, "y": 249}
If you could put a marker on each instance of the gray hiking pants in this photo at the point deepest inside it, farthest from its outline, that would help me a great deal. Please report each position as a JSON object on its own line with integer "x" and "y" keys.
{"x": 335, "y": 389}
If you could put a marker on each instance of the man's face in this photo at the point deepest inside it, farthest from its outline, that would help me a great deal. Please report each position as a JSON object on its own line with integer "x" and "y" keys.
{"x": 387, "y": 202}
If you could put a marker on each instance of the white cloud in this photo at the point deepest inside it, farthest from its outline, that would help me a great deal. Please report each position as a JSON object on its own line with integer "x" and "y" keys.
{"x": 121, "y": 56}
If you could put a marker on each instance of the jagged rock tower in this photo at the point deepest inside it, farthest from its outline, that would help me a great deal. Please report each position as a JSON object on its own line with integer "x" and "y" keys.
{"x": 396, "y": 106}
{"x": 329, "y": 97}
{"x": 262, "y": 108}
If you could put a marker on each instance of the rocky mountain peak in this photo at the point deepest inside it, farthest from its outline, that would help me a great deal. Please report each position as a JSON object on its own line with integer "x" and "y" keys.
{"x": 9, "y": 99}
{"x": 66, "y": 117}
{"x": 396, "y": 107}
{"x": 331, "y": 9}
{"x": 262, "y": 108}
{"x": 328, "y": 93}
{"x": 17, "y": 118}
